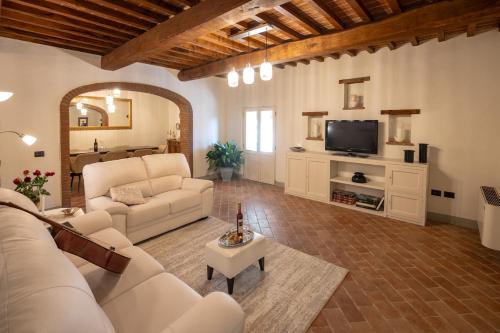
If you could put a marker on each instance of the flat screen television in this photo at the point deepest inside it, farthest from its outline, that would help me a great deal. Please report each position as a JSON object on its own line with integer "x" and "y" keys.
{"x": 352, "y": 136}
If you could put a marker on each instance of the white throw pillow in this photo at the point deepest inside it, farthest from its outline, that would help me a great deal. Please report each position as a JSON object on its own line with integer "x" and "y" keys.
{"x": 127, "y": 195}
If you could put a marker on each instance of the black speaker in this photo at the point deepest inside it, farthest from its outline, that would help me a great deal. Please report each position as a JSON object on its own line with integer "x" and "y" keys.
{"x": 422, "y": 152}
{"x": 409, "y": 156}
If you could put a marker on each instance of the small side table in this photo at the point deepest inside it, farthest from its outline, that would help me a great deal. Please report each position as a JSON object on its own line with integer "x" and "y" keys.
{"x": 58, "y": 216}
{"x": 232, "y": 261}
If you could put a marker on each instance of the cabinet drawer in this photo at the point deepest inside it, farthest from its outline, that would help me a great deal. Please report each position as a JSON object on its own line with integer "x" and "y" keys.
{"x": 405, "y": 180}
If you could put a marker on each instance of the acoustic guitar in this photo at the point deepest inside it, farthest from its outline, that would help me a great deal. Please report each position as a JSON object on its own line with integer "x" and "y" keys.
{"x": 72, "y": 241}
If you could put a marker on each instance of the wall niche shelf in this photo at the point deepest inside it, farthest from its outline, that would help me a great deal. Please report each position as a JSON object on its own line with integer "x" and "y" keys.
{"x": 400, "y": 126}
{"x": 315, "y": 124}
{"x": 354, "y": 92}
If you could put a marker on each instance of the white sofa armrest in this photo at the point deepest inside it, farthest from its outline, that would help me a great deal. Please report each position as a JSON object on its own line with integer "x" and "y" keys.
{"x": 92, "y": 222}
{"x": 216, "y": 313}
{"x": 197, "y": 185}
{"x": 105, "y": 203}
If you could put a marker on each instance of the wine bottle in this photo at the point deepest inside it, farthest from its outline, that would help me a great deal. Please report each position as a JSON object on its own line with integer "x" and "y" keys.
{"x": 96, "y": 147}
{"x": 239, "y": 224}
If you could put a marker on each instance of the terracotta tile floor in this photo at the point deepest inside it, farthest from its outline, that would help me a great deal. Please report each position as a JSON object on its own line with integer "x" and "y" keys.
{"x": 403, "y": 278}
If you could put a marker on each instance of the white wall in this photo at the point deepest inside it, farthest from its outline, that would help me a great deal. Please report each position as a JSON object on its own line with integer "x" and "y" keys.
{"x": 151, "y": 117}
{"x": 41, "y": 75}
{"x": 454, "y": 83}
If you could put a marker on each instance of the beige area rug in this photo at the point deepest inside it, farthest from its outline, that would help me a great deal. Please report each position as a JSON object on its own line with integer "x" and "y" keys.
{"x": 287, "y": 297}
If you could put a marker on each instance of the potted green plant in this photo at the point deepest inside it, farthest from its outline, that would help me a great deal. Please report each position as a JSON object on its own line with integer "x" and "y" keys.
{"x": 226, "y": 158}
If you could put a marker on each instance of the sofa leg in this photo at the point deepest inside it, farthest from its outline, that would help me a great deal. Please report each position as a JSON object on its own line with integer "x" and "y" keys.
{"x": 230, "y": 285}
{"x": 72, "y": 177}
{"x": 210, "y": 272}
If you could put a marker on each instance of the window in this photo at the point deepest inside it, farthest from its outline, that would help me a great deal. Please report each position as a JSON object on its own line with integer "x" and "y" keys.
{"x": 259, "y": 130}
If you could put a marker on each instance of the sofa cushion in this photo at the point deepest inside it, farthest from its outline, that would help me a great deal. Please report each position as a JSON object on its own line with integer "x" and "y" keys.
{"x": 165, "y": 184}
{"x": 153, "y": 209}
{"x": 152, "y": 305}
{"x": 159, "y": 165}
{"x": 38, "y": 281}
{"x": 100, "y": 177}
{"x": 127, "y": 195}
{"x": 181, "y": 200}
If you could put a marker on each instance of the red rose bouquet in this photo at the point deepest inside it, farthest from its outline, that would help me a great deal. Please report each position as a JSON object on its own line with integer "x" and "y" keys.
{"x": 32, "y": 186}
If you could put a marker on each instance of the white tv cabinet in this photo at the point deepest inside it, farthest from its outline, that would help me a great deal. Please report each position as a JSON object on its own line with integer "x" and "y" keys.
{"x": 314, "y": 175}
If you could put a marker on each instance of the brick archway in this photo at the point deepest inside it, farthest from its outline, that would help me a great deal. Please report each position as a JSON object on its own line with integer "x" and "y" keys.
{"x": 186, "y": 122}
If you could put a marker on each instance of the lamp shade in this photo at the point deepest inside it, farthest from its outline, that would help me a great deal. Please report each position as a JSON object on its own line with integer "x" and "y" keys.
{"x": 111, "y": 108}
{"x": 28, "y": 139}
{"x": 266, "y": 71}
{"x": 5, "y": 95}
{"x": 109, "y": 99}
{"x": 79, "y": 105}
{"x": 83, "y": 111}
{"x": 233, "y": 78}
{"x": 248, "y": 75}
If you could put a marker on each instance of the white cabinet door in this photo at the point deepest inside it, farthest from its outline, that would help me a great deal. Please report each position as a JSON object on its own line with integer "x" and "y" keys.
{"x": 406, "y": 193}
{"x": 318, "y": 182}
{"x": 407, "y": 180}
{"x": 405, "y": 207}
{"x": 296, "y": 175}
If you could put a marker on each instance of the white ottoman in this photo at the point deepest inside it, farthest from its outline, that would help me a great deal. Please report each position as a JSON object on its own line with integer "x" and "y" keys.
{"x": 233, "y": 261}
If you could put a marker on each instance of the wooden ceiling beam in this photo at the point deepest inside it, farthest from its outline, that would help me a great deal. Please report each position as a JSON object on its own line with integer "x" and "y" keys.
{"x": 206, "y": 17}
{"x": 25, "y": 17}
{"x": 471, "y": 30}
{"x": 328, "y": 13}
{"x": 304, "y": 61}
{"x": 296, "y": 14}
{"x": 334, "y": 56}
{"x": 42, "y": 31}
{"x": 391, "y": 46}
{"x": 157, "y": 6}
{"x": 61, "y": 22}
{"x": 223, "y": 50}
{"x": 95, "y": 10}
{"x": 319, "y": 59}
{"x": 77, "y": 16}
{"x": 371, "y": 49}
{"x": 352, "y": 53}
{"x": 60, "y": 41}
{"x": 282, "y": 27}
{"x": 47, "y": 41}
{"x": 441, "y": 36}
{"x": 414, "y": 41}
{"x": 222, "y": 41}
{"x": 438, "y": 16}
{"x": 128, "y": 9}
{"x": 393, "y": 6}
{"x": 360, "y": 10}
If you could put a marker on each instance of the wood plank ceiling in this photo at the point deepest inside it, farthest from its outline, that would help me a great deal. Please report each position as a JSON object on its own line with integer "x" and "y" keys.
{"x": 111, "y": 28}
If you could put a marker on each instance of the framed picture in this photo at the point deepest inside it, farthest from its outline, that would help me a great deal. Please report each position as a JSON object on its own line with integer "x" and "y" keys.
{"x": 83, "y": 121}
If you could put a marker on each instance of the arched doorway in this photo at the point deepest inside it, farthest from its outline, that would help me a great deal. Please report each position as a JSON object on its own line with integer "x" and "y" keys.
{"x": 186, "y": 123}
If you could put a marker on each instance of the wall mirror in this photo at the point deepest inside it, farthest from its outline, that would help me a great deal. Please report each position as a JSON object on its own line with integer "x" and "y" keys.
{"x": 108, "y": 112}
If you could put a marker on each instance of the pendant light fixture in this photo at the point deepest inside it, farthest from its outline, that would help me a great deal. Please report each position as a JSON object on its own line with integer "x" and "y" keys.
{"x": 79, "y": 105}
{"x": 266, "y": 69}
{"x": 83, "y": 111}
{"x": 248, "y": 72}
{"x": 233, "y": 78}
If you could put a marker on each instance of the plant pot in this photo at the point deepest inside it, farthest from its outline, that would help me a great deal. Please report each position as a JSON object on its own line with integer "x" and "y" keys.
{"x": 226, "y": 174}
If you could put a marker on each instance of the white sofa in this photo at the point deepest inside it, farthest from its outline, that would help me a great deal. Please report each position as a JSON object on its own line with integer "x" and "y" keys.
{"x": 43, "y": 289}
{"x": 172, "y": 198}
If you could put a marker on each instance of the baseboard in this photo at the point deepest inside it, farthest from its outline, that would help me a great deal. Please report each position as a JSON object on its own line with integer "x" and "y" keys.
{"x": 279, "y": 184}
{"x": 455, "y": 220}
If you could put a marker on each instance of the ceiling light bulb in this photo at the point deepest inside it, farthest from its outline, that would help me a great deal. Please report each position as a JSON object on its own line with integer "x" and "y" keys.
{"x": 233, "y": 78}
{"x": 111, "y": 108}
{"x": 83, "y": 111}
{"x": 116, "y": 92}
{"x": 248, "y": 75}
{"x": 109, "y": 100}
{"x": 266, "y": 71}
{"x": 79, "y": 105}
{"x": 5, "y": 95}
{"x": 28, "y": 139}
